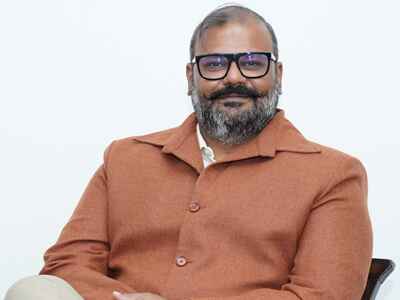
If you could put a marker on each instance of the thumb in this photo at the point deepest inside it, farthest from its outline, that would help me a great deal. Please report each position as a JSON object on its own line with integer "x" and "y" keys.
{"x": 118, "y": 296}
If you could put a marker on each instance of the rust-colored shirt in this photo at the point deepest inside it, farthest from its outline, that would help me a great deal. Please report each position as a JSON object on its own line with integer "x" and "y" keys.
{"x": 280, "y": 218}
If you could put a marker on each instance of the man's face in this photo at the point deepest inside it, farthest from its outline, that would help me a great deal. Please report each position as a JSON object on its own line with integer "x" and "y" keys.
{"x": 235, "y": 108}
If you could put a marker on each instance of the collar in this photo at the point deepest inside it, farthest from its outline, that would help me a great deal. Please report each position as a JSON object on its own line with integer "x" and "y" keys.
{"x": 279, "y": 135}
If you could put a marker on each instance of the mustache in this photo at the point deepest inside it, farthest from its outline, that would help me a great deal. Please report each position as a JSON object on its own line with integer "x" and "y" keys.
{"x": 240, "y": 90}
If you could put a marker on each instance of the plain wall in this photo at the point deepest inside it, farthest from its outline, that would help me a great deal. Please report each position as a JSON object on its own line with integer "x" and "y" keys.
{"x": 75, "y": 75}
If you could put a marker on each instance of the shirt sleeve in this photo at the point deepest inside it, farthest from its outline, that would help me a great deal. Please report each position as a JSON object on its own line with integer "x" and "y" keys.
{"x": 335, "y": 249}
{"x": 80, "y": 255}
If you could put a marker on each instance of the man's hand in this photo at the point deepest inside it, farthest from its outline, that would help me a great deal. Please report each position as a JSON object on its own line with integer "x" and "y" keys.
{"x": 137, "y": 296}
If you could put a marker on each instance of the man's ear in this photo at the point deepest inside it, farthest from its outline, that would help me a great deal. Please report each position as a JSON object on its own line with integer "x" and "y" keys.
{"x": 189, "y": 77}
{"x": 279, "y": 73}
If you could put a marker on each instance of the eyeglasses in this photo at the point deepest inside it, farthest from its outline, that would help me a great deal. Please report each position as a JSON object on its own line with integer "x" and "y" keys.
{"x": 216, "y": 66}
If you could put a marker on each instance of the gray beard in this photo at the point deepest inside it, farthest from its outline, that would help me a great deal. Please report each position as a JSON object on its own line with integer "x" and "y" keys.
{"x": 240, "y": 127}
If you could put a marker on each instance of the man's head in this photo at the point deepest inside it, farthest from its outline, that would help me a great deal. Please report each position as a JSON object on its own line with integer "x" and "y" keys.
{"x": 236, "y": 107}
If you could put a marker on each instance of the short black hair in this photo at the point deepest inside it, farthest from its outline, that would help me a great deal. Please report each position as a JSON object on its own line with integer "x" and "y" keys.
{"x": 225, "y": 14}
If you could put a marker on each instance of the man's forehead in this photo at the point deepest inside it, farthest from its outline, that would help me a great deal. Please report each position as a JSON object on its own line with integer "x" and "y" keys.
{"x": 249, "y": 35}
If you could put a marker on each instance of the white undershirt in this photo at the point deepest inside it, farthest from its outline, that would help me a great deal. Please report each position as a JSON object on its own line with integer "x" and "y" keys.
{"x": 206, "y": 152}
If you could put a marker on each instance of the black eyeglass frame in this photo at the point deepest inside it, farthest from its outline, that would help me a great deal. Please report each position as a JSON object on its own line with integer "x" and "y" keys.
{"x": 234, "y": 57}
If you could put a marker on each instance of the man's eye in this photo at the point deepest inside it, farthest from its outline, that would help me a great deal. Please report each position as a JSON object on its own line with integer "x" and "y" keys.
{"x": 252, "y": 63}
{"x": 215, "y": 64}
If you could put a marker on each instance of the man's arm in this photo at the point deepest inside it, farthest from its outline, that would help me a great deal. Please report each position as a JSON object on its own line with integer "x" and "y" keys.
{"x": 335, "y": 249}
{"x": 80, "y": 255}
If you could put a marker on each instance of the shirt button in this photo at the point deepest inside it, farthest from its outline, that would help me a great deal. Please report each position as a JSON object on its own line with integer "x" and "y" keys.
{"x": 194, "y": 206}
{"x": 181, "y": 261}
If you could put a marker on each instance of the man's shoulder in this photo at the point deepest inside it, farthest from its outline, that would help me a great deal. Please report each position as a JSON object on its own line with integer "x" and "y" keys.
{"x": 332, "y": 153}
{"x": 304, "y": 151}
{"x": 138, "y": 144}
{"x": 158, "y": 138}
{"x": 290, "y": 140}
{"x": 335, "y": 161}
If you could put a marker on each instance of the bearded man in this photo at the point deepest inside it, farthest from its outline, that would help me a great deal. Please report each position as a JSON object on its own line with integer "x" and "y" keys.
{"x": 233, "y": 204}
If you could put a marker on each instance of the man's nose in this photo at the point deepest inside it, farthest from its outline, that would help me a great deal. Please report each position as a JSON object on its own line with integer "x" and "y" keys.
{"x": 234, "y": 76}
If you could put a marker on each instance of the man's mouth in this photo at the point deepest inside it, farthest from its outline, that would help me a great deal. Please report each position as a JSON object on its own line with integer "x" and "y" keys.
{"x": 233, "y": 100}
{"x": 234, "y": 95}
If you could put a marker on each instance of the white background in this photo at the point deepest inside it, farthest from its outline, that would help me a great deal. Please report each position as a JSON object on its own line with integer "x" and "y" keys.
{"x": 75, "y": 75}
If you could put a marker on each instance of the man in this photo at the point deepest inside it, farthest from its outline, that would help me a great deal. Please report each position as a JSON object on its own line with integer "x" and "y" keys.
{"x": 233, "y": 204}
